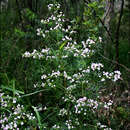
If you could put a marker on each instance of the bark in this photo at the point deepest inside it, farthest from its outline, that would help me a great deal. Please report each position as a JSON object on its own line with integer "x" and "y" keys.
{"x": 107, "y": 18}
{"x": 109, "y": 13}
{"x": 117, "y": 34}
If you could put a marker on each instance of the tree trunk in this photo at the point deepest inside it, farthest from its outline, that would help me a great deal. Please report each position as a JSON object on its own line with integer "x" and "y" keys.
{"x": 107, "y": 18}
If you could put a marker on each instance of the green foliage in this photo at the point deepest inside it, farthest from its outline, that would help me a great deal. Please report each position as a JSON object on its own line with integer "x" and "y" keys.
{"x": 19, "y": 33}
{"x": 56, "y": 83}
{"x": 122, "y": 113}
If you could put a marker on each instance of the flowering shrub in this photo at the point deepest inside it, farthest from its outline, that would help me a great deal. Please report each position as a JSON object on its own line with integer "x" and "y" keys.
{"x": 70, "y": 73}
{"x": 69, "y": 77}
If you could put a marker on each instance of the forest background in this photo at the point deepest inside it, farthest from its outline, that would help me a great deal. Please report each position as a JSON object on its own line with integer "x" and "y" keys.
{"x": 105, "y": 23}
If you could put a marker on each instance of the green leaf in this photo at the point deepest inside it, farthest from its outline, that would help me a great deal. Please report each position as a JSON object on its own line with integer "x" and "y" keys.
{"x": 11, "y": 89}
{"x": 62, "y": 45}
{"x": 38, "y": 116}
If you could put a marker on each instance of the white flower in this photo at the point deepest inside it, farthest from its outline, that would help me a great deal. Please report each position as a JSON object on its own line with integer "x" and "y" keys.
{"x": 106, "y": 106}
{"x": 45, "y": 108}
{"x": 65, "y": 74}
{"x": 46, "y": 31}
{"x": 98, "y": 124}
{"x": 43, "y": 84}
{"x": 7, "y": 127}
{"x": 45, "y": 50}
{"x": 38, "y": 34}
{"x": 109, "y": 103}
{"x": 43, "y": 76}
{"x": 43, "y": 35}
{"x": 15, "y": 125}
{"x": 15, "y": 113}
{"x": 38, "y": 29}
{"x": 26, "y": 54}
{"x": 14, "y": 100}
{"x": 97, "y": 66}
{"x": 100, "y": 39}
{"x": 102, "y": 79}
{"x": 42, "y": 21}
{"x": 63, "y": 112}
{"x": 22, "y": 123}
{"x": 90, "y": 41}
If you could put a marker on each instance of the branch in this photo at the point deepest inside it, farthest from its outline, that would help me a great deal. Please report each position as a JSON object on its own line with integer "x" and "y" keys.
{"x": 115, "y": 62}
{"x": 108, "y": 32}
{"x": 106, "y": 29}
{"x": 119, "y": 22}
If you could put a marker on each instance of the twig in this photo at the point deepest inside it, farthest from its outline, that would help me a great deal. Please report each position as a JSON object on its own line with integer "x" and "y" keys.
{"x": 115, "y": 62}
{"x": 106, "y": 29}
{"x": 108, "y": 32}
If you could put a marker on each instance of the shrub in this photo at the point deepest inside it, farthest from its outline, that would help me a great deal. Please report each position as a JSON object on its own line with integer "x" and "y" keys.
{"x": 70, "y": 79}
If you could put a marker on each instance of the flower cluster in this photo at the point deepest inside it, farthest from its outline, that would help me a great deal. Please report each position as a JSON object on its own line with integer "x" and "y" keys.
{"x": 96, "y": 66}
{"x": 116, "y": 75}
{"x": 69, "y": 98}
{"x": 56, "y": 127}
{"x": 79, "y": 107}
{"x": 83, "y": 103}
{"x": 15, "y": 116}
{"x": 57, "y": 18}
{"x": 36, "y": 54}
{"x": 63, "y": 112}
{"x": 69, "y": 124}
{"x": 56, "y": 5}
{"x": 104, "y": 127}
{"x": 40, "y": 32}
